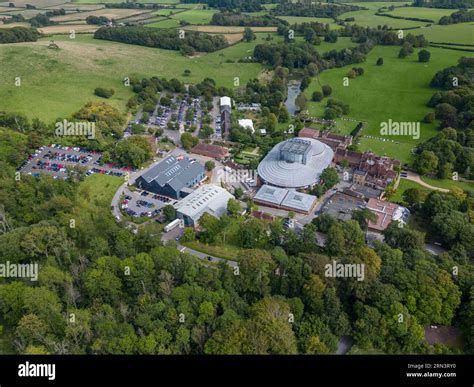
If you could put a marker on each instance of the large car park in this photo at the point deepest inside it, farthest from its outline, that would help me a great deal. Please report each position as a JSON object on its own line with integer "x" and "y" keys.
{"x": 54, "y": 160}
{"x": 139, "y": 204}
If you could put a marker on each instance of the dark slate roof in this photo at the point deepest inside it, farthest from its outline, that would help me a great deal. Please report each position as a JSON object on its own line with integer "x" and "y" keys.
{"x": 175, "y": 172}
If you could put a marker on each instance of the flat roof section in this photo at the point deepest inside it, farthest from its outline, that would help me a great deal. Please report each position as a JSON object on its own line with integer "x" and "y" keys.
{"x": 272, "y": 195}
{"x": 296, "y": 145}
{"x": 298, "y": 201}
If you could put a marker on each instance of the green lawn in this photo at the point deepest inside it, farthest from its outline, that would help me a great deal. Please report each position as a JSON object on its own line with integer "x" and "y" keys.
{"x": 58, "y": 83}
{"x": 94, "y": 198}
{"x": 448, "y": 184}
{"x": 402, "y": 187}
{"x": 227, "y": 251}
{"x": 398, "y": 90}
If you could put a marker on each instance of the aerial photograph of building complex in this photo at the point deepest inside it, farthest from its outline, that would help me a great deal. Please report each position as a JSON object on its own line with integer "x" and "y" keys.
{"x": 237, "y": 177}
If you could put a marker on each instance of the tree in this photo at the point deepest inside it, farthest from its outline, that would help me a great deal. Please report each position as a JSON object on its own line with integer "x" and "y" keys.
{"x": 253, "y": 233}
{"x": 210, "y": 165}
{"x": 327, "y": 90}
{"x": 238, "y": 192}
{"x": 363, "y": 217}
{"x": 379, "y": 62}
{"x": 206, "y": 132}
{"x": 188, "y": 141}
{"x": 104, "y": 93}
{"x": 429, "y": 118}
{"x": 188, "y": 235}
{"x": 317, "y": 96}
{"x": 268, "y": 328}
{"x": 248, "y": 35}
{"x": 426, "y": 162}
{"x": 424, "y": 56}
{"x": 305, "y": 82}
{"x": 256, "y": 267}
{"x": 335, "y": 241}
{"x": 406, "y": 50}
{"x": 331, "y": 37}
{"x": 169, "y": 212}
{"x": 132, "y": 151}
{"x": 233, "y": 207}
{"x": 301, "y": 101}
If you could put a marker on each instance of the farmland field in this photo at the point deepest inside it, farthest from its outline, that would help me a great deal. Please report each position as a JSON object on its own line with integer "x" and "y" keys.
{"x": 368, "y": 18}
{"x": 166, "y": 23}
{"x": 64, "y": 79}
{"x": 67, "y": 28}
{"x": 196, "y": 16}
{"x": 462, "y": 33}
{"x": 375, "y": 5}
{"x": 421, "y": 13}
{"x": 107, "y": 12}
{"x": 37, "y": 3}
{"x": 228, "y": 29}
{"x": 398, "y": 90}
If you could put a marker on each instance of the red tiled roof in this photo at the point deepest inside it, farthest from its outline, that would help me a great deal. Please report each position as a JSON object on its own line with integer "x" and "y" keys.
{"x": 384, "y": 211}
{"x": 215, "y": 151}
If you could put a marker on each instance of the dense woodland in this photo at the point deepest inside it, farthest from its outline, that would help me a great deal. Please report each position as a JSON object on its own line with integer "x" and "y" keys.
{"x": 462, "y": 16}
{"x": 232, "y": 5}
{"x": 314, "y": 10}
{"x": 168, "y": 39}
{"x": 129, "y": 294}
{"x": 450, "y": 4}
{"x": 239, "y": 19}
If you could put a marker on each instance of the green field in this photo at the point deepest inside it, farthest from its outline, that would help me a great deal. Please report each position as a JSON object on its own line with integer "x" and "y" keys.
{"x": 168, "y": 11}
{"x": 403, "y": 186}
{"x": 398, "y": 90}
{"x": 58, "y": 83}
{"x": 422, "y": 13}
{"x": 369, "y": 19}
{"x": 196, "y": 16}
{"x": 226, "y": 251}
{"x": 462, "y": 33}
{"x": 307, "y": 19}
{"x": 375, "y": 5}
{"x": 167, "y": 23}
{"x": 448, "y": 184}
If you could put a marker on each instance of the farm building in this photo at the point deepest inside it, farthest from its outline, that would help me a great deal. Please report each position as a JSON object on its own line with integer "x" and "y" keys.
{"x": 173, "y": 177}
{"x": 207, "y": 198}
